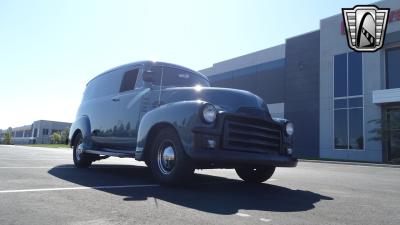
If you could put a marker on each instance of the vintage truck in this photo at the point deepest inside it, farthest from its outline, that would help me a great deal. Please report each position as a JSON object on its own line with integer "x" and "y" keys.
{"x": 169, "y": 117}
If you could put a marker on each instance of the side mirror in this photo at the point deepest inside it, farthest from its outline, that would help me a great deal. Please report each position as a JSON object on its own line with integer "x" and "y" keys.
{"x": 148, "y": 76}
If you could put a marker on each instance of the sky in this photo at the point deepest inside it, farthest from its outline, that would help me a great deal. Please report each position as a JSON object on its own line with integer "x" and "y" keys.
{"x": 50, "y": 49}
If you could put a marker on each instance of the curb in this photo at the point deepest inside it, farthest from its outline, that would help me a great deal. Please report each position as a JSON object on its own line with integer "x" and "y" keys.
{"x": 351, "y": 163}
{"x": 40, "y": 147}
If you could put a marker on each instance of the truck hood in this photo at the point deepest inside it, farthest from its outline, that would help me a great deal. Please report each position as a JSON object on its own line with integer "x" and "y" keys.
{"x": 225, "y": 99}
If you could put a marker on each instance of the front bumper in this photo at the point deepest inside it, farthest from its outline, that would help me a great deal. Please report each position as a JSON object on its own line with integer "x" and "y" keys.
{"x": 227, "y": 158}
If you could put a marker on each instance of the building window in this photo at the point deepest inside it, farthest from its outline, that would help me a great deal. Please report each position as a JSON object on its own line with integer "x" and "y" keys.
{"x": 35, "y": 131}
{"x": 393, "y": 68}
{"x": 19, "y": 133}
{"x": 348, "y": 102}
{"x": 28, "y": 133}
{"x": 55, "y": 131}
{"x": 45, "y": 132}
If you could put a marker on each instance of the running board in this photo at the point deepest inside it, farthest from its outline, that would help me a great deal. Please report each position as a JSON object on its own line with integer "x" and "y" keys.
{"x": 111, "y": 152}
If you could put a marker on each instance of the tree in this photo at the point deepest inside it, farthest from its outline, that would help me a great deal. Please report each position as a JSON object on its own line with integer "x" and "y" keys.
{"x": 388, "y": 132}
{"x": 7, "y": 139}
{"x": 385, "y": 130}
{"x": 56, "y": 138}
{"x": 64, "y": 136}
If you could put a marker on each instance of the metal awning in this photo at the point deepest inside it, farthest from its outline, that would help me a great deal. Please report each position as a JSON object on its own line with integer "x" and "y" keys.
{"x": 386, "y": 96}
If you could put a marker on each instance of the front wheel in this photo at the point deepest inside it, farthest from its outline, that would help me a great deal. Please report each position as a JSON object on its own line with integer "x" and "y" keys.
{"x": 168, "y": 161}
{"x": 255, "y": 175}
{"x": 81, "y": 159}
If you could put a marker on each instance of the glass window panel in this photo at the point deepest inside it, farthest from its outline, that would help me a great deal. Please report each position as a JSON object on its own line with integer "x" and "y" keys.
{"x": 393, "y": 68}
{"x": 182, "y": 78}
{"x": 355, "y": 73}
{"x": 394, "y": 134}
{"x": 340, "y": 103}
{"x": 156, "y": 75}
{"x": 355, "y": 102}
{"x": 28, "y": 133}
{"x": 129, "y": 80}
{"x": 356, "y": 137}
{"x": 104, "y": 85}
{"x": 341, "y": 136}
{"x": 340, "y": 75}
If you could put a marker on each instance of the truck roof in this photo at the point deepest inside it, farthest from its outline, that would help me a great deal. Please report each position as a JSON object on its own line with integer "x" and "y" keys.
{"x": 148, "y": 63}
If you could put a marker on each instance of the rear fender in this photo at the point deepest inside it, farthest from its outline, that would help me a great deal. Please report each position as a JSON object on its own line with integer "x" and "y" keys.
{"x": 81, "y": 125}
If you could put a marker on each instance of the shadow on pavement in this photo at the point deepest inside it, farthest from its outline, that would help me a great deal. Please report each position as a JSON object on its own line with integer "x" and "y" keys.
{"x": 205, "y": 193}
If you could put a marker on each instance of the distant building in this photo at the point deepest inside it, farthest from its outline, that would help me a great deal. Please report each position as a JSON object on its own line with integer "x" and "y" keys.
{"x": 37, "y": 133}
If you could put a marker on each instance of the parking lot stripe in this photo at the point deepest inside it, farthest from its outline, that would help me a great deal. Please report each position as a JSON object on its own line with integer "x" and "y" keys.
{"x": 36, "y": 167}
{"x": 78, "y": 188}
{"x": 42, "y": 159}
{"x": 242, "y": 215}
{"x": 265, "y": 220}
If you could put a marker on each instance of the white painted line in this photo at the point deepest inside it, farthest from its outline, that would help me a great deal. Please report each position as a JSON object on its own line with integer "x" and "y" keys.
{"x": 265, "y": 220}
{"x": 50, "y": 159}
{"x": 78, "y": 188}
{"x": 242, "y": 215}
{"x": 104, "y": 166}
{"x": 36, "y": 167}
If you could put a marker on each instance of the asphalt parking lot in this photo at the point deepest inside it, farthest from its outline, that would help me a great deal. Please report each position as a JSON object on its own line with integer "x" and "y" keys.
{"x": 41, "y": 186}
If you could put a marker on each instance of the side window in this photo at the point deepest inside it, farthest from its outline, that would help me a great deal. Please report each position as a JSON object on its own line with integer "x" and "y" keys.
{"x": 157, "y": 73}
{"x": 129, "y": 80}
{"x": 104, "y": 85}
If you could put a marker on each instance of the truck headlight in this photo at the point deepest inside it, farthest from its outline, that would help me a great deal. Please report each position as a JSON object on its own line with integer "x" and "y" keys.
{"x": 289, "y": 128}
{"x": 209, "y": 113}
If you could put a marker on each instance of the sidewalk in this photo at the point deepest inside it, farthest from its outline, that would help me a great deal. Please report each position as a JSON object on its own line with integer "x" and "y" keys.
{"x": 351, "y": 163}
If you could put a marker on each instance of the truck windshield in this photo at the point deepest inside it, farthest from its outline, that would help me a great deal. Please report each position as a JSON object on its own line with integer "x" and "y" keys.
{"x": 175, "y": 77}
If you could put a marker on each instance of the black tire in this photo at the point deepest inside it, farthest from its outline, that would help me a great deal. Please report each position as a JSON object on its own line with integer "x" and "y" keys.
{"x": 171, "y": 171}
{"x": 255, "y": 175}
{"x": 81, "y": 160}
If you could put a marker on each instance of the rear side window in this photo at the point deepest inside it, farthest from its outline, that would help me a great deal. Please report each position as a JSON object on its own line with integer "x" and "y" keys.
{"x": 129, "y": 80}
{"x": 104, "y": 85}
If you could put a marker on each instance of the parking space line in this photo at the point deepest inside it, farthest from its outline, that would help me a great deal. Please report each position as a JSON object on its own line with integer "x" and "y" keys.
{"x": 78, "y": 188}
{"x": 49, "y": 159}
{"x": 242, "y": 215}
{"x": 104, "y": 166}
{"x": 36, "y": 167}
{"x": 265, "y": 220}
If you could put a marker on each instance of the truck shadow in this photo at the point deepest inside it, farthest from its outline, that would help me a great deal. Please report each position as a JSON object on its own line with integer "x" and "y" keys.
{"x": 205, "y": 193}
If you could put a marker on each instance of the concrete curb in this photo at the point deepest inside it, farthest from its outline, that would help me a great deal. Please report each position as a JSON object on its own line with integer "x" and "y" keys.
{"x": 351, "y": 163}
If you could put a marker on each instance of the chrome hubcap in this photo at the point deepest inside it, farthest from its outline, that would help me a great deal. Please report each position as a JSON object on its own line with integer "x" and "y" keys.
{"x": 79, "y": 151}
{"x": 166, "y": 157}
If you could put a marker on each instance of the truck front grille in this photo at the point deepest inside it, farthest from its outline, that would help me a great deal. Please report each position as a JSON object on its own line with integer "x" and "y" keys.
{"x": 251, "y": 135}
{"x": 251, "y": 111}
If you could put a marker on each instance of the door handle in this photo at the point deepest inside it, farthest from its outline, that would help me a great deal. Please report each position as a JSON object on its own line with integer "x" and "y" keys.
{"x": 115, "y": 99}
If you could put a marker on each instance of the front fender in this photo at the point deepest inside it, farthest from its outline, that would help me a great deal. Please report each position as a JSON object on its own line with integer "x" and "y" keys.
{"x": 83, "y": 125}
{"x": 183, "y": 116}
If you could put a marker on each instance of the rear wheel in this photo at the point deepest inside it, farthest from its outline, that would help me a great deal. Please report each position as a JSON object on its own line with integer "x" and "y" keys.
{"x": 81, "y": 159}
{"x": 168, "y": 161}
{"x": 255, "y": 175}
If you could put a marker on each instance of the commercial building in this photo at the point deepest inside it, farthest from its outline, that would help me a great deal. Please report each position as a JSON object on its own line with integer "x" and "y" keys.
{"x": 37, "y": 133}
{"x": 336, "y": 97}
